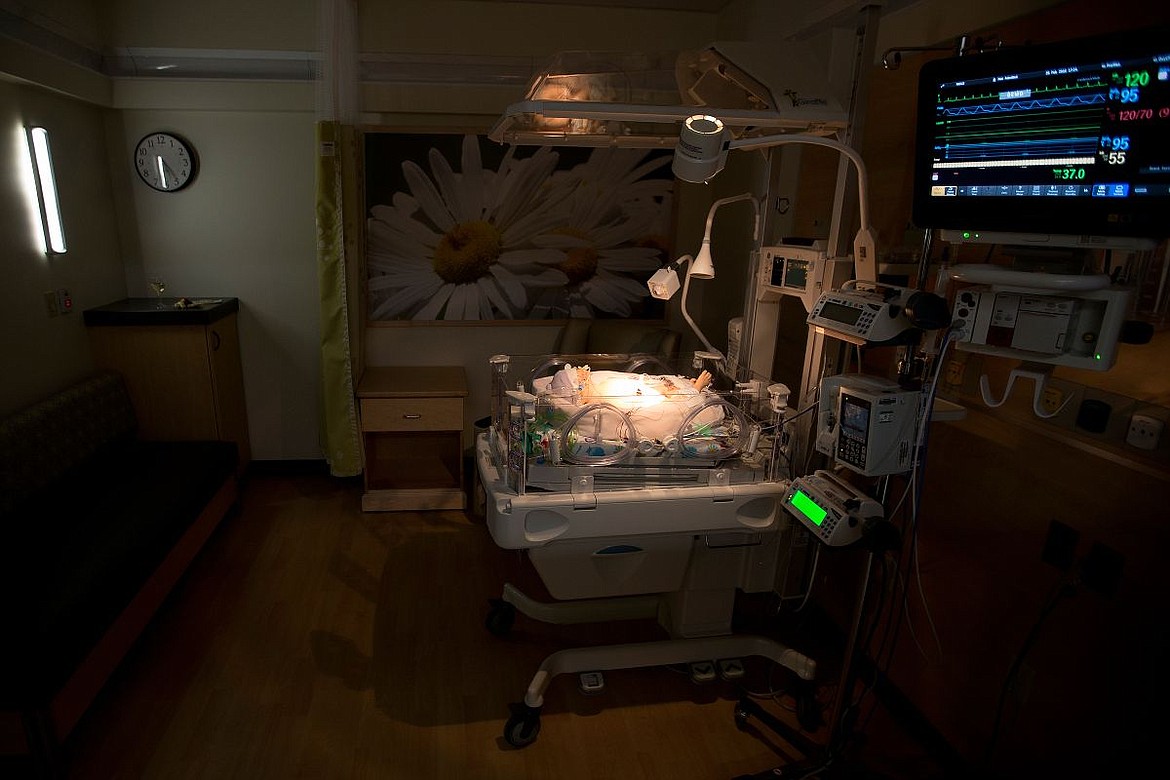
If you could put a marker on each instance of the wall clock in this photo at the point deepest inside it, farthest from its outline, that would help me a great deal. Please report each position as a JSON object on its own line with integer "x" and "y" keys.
{"x": 165, "y": 161}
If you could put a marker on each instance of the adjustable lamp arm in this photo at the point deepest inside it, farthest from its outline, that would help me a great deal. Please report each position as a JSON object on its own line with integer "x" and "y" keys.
{"x": 733, "y": 199}
{"x": 702, "y": 149}
{"x": 864, "y": 243}
{"x": 686, "y": 315}
{"x": 816, "y": 140}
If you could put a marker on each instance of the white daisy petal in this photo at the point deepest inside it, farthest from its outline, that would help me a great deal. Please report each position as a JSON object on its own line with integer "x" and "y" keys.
{"x": 510, "y": 284}
{"x": 472, "y": 181}
{"x": 492, "y": 294}
{"x": 456, "y": 304}
{"x": 558, "y": 241}
{"x": 515, "y": 257}
{"x": 631, "y": 289}
{"x": 400, "y": 302}
{"x": 632, "y": 260}
{"x": 431, "y": 310}
{"x": 448, "y": 185}
{"x": 601, "y": 297}
{"x": 427, "y": 196}
{"x": 547, "y": 278}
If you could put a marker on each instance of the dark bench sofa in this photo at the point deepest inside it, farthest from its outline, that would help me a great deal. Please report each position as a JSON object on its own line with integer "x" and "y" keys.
{"x": 98, "y": 526}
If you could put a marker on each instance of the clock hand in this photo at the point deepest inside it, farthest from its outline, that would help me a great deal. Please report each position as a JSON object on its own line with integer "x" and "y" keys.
{"x": 164, "y": 165}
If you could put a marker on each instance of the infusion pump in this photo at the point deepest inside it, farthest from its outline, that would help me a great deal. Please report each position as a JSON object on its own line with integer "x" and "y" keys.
{"x": 830, "y": 507}
{"x": 867, "y": 424}
{"x": 863, "y": 313}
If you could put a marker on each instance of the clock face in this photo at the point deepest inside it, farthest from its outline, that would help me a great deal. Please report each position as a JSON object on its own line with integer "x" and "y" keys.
{"x": 165, "y": 162}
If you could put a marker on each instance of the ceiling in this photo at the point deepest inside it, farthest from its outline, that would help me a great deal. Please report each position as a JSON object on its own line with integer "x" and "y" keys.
{"x": 708, "y": 6}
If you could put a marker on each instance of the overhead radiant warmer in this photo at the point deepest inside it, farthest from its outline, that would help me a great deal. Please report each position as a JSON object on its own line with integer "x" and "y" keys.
{"x": 597, "y": 98}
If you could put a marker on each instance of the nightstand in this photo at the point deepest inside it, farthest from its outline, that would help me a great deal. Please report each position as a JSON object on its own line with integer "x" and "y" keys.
{"x": 411, "y": 420}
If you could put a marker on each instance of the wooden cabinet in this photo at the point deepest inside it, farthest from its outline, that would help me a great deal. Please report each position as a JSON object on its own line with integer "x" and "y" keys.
{"x": 182, "y": 367}
{"x": 412, "y": 437}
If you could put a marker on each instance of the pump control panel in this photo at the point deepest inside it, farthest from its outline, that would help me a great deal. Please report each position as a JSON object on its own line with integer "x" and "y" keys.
{"x": 830, "y": 507}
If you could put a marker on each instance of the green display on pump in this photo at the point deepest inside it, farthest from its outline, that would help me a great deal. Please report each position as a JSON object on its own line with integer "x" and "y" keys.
{"x": 808, "y": 508}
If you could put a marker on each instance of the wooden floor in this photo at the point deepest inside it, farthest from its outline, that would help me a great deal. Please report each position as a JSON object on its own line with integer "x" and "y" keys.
{"x": 310, "y": 639}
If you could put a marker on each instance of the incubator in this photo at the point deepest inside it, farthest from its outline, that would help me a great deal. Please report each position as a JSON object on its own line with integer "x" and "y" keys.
{"x": 639, "y": 487}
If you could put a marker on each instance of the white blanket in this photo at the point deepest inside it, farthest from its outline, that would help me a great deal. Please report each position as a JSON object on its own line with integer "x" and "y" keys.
{"x": 657, "y": 405}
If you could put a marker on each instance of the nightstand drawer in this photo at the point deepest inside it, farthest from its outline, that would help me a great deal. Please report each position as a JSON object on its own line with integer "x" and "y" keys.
{"x": 412, "y": 414}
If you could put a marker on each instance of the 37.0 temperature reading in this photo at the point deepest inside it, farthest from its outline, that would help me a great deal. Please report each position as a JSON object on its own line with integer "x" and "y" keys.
{"x": 1068, "y": 173}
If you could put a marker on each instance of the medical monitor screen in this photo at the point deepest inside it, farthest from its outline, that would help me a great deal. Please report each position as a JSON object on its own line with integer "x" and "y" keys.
{"x": 837, "y": 312}
{"x": 1070, "y": 138}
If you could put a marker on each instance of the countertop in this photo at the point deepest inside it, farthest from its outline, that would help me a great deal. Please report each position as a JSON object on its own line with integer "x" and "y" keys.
{"x": 161, "y": 311}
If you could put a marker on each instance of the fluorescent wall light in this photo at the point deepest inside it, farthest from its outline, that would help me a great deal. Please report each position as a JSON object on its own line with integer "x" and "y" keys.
{"x": 46, "y": 181}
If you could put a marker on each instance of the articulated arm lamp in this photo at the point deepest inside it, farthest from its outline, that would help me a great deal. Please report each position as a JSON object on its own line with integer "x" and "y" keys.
{"x": 702, "y": 151}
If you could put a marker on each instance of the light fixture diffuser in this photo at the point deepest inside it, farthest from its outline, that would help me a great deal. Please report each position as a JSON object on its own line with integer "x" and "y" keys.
{"x": 46, "y": 182}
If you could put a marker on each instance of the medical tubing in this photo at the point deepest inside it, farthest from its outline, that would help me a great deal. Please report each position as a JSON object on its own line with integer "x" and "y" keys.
{"x": 740, "y": 419}
{"x": 630, "y": 439}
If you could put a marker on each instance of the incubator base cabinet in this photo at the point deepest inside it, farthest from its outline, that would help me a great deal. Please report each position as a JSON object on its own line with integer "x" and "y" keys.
{"x": 621, "y": 524}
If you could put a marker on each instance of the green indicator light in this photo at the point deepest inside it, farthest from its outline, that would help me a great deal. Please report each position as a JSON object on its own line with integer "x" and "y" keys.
{"x": 966, "y": 234}
{"x": 1097, "y": 356}
{"x": 807, "y": 507}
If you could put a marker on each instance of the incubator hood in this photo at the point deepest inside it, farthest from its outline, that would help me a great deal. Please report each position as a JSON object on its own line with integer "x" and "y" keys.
{"x": 595, "y": 98}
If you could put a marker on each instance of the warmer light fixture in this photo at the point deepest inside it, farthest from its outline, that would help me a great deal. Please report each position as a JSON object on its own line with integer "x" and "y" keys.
{"x": 702, "y": 150}
{"x": 46, "y": 183}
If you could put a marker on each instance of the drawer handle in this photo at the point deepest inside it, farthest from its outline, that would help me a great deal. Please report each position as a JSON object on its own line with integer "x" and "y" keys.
{"x": 412, "y": 417}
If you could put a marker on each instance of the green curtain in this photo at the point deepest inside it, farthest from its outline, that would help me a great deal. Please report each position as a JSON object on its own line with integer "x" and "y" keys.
{"x": 340, "y": 434}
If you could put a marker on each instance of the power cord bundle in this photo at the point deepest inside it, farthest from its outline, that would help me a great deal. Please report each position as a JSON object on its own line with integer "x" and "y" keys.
{"x": 896, "y": 554}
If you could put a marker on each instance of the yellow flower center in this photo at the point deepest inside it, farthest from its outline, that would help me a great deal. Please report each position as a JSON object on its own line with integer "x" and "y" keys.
{"x": 467, "y": 252}
{"x": 580, "y": 263}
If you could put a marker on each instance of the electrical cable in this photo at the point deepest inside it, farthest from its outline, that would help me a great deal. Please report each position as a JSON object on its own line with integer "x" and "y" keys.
{"x": 811, "y": 578}
{"x": 917, "y": 478}
{"x": 898, "y": 609}
{"x": 1063, "y": 589}
{"x": 862, "y": 649}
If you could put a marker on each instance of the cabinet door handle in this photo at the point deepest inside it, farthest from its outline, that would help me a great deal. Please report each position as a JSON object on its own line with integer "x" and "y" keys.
{"x": 412, "y": 417}
{"x": 215, "y": 340}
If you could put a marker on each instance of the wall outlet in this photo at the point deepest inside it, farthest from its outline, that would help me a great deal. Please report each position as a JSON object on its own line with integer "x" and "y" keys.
{"x": 50, "y": 297}
{"x": 1144, "y": 432}
{"x": 1052, "y": 400}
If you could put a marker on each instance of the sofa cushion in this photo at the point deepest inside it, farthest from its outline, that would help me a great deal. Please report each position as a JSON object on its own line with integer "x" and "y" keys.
{"x": 76, "y": 552}
{"x": 41, "y": 442}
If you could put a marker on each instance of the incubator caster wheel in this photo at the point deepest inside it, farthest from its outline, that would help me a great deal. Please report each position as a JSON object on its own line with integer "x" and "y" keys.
{"x": 500, "y": 618}
{"x": 808, "y": 711}
{"x": 741, "y": 718}
{"x": 522, "y": 728}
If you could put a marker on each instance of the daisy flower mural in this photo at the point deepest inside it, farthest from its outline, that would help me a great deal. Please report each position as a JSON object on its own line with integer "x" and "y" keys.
{"x": 535, "y": 237}
{"x": 614, "y": 235}
{"x": 457, "y": 246}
